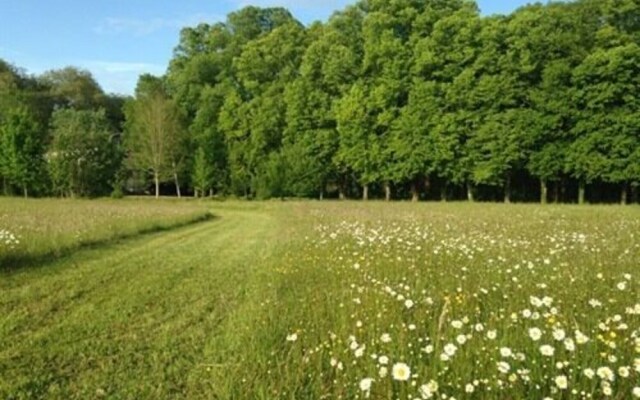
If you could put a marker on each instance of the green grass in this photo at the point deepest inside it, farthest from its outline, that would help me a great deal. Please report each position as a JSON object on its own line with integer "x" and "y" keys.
{"x": 204, "y": 311}
{"x": 34, "y": 231}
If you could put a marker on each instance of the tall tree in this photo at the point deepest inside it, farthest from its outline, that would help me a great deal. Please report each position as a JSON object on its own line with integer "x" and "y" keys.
{"x": 155, "y": 137}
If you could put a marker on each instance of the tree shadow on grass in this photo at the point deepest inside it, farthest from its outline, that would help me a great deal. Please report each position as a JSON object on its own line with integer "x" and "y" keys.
{"x": 15, "y": 262}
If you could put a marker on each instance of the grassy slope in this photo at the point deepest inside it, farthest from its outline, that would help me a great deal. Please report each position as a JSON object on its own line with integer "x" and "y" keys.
{"x": 130, "y": 320}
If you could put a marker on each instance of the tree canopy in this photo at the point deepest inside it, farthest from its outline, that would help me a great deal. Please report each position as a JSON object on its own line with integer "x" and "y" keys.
{"x": 390, "y": 99}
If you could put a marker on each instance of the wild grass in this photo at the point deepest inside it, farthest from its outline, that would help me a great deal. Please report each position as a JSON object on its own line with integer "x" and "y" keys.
{"x": 36, "y": 229}
{"x": 338, "y": 301}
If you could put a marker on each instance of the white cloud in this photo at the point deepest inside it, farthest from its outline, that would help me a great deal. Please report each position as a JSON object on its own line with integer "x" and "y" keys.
{"x": 143, "y": 27}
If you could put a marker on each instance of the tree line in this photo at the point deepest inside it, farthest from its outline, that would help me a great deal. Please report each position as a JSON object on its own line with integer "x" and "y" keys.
{"x": 415, "y": 99}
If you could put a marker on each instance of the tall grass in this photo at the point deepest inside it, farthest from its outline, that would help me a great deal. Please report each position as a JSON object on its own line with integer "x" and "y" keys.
{"x": 37, "y": 229}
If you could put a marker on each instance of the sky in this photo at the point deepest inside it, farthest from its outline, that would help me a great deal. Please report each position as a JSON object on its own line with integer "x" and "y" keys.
{"x": 117, "y": 40}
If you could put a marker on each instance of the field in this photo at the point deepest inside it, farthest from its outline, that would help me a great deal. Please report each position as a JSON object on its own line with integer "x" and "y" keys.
{"x": 33, "y": 230}
{"x": 309, "y": 300}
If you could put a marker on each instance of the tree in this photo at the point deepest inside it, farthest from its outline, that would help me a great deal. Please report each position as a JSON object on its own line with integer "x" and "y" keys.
{"x": 84, "y": 157}
{"x": 155, "y": 138}
{"x": 606, "y": 135}
{"x": 22, "y": 147}
{"x": 253, "y": 117}
{"x": 75, "y": 88}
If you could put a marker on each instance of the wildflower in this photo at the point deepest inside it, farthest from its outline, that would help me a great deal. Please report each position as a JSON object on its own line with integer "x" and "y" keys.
{"x": 636, "y": 392}
{"x": 461, "y": 339}
{"x": 401, "y": 372}
{"x": 504, "y": 367}
{"x": 365, "y": 384}
{"x": 536, "y": 302}
{"x": 581, "y": 338}
{"x": 492, "y": 335}
{"x": 292, "y": 337}
{"x": 561, "y": 382}
{"x": 469, "y": 388}
{"x": 450, "y": 349}
{"x": 429, "y": 390}
{"x": 559, "y": 334}
{"x": 506, "y": 352}
{"x": 589, "y": 373}
{"x": 408, "y": 304}
{"x": 606, "y": 373}
{"x": 383, "y": 372}
{"x": 535, "y": 334}
{"x": 385, "y": 338}
{"x": 570, "y": 345}
{"x": 547, "y": 351}
{"x": 624, "y": 372}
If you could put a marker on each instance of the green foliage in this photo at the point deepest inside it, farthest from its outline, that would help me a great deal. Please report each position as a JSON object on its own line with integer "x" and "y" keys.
{"x": 384, "y": 94}
{"x": 84, "y": 156}
{"x": 22, "y": 146}
{"x": 155, "y": 138}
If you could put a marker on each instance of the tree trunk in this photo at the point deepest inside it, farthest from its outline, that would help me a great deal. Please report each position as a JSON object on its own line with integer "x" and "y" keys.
{"x": 210, "y": 192}
{"x": 175, "y": 178}
{"x": 427, "y": 185}
{"x": 556, "y": 192}
{"x": 321, "y": 194}
{"x": 470, "y": 196}
{"x": 634, "y": 193}
{"x": 624, "y": 194}
{"x": 581, "y": 192}
{"x": 415, "y": 195}
{"x": 387, "y": 191}
{"x": 544, "y": 191}
{"x": 26, "y": 192}
{"x": 195, "y": 193}
{"x": 365, "y": 192}
{"x": 507, "y": 189}
{"x": 341, "y": 194}
{"x": 156, "y": 179}
{"x": 443, "y": 193}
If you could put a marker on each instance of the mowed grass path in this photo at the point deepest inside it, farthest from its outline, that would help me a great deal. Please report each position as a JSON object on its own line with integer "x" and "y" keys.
{"x": 131, "y": 320}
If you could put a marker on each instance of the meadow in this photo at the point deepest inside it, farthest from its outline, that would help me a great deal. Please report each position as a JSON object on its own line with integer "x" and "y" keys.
{"x": 328, "y": 300}
{"x": 32, "y": 230}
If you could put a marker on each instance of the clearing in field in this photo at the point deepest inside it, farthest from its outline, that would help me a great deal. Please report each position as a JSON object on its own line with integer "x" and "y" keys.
{"x": 319, "y": 300}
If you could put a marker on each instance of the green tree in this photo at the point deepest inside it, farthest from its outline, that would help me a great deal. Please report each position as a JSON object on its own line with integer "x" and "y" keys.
{"x": 155, "y": 138}
{"x": 84, "y": 157}
{"x": 75, "y": 88}
{"x": 606, "y": 134}
{"x": 22, "y": 148}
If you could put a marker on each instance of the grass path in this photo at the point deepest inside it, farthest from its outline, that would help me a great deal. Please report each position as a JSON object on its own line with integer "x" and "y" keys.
{"x": 133, "y": 320}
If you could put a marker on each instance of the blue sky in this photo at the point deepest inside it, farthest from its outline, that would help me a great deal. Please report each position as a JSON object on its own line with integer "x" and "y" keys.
{"x": 119, "y": 39}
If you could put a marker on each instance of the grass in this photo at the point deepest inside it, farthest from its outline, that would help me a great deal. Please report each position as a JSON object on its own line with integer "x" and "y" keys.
{"x": 35, "y": 231}
{"x": 306, "y": 300}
